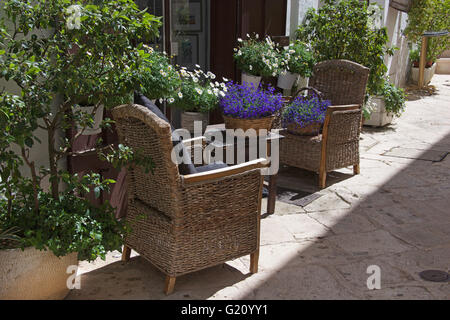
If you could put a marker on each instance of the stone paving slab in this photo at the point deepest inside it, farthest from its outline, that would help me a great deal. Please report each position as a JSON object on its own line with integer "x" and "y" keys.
{"x": 394, "y": 215}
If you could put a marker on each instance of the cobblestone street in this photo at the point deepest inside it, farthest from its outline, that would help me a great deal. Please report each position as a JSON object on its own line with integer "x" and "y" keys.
{"x": 395, "y": 215}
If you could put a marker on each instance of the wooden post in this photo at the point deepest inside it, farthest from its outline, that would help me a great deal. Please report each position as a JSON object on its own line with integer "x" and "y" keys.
{"x": 423, "y": 58}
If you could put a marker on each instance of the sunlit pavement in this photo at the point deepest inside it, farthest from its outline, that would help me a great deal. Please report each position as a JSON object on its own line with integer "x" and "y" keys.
{"x": 394, "y": 217}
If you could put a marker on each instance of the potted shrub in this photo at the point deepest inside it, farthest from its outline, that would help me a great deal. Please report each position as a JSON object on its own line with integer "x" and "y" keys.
{"x": 427, "y": 16}
{"x": 305, "y": 115}
{"x": 299, "y": 61}
{"x": 430, "y": 67}
{"x": 158, "y": 78}
{"x": 389, "y": 102}
{"x": 360, "y": 39}
{"x": 245, "y": 108}
{"x": 258, "y": 58}
{"x": 199, "y": 93}
{"x": 54, "y": 225}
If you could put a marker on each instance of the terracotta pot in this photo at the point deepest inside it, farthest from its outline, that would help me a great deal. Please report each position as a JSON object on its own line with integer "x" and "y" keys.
{"x": 246, "y": 124}
{"x": 34, "y": 275}
{"x": 312, "y": 129}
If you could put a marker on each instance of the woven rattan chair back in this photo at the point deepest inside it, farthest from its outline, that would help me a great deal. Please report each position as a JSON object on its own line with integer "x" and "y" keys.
{"x": 143, "y": 131}
{"x": 343, "y": 82}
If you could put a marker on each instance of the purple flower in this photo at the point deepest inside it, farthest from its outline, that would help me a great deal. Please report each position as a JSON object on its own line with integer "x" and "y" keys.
{"x": 304, "y": 111}
{"x": 244, "y": 101}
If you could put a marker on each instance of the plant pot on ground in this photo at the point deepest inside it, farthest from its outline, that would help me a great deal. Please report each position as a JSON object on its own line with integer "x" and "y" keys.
{"x": 43, "y": 201}
{"x": 382, "y": 108}
{"x": 199, "y": 93}
{"x": 430, "y": 67}
{"x": 305, "y": 115}
{"x": 245, "y": 108}
{"x": 258, "y": 58}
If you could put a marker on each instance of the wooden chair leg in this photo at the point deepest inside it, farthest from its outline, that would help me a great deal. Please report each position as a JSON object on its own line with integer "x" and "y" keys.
{"x": 126, "y": 253}
{"x": 356, "y": 169}
{"x": 170, "y": 285}
{"x": 322, "y": 179}
{"x": 254, "y": 258}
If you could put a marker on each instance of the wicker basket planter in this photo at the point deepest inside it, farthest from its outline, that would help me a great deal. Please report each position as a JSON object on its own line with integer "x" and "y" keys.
{"x": 188, "y": 120}
{"x": 34, "y": 275}
{"x": 312, "y": 129}
{"x": 245, "y": 124}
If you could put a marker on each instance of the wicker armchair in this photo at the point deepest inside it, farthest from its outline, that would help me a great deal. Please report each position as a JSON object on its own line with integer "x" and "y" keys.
{"x": 182, "y": 224}
{"x": 344, "y": 83}
{"x": 337, "y": 147}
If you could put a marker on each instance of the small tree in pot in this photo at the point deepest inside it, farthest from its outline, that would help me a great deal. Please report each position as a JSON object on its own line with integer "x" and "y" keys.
{"x": 59, "y": 55}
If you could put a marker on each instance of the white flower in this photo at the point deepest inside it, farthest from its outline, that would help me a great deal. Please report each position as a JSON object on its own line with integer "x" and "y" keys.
{"x": 216, "y": 91}
{"x": 197, "y": 66}
{"x": 161, "y": 100}
{"x": 291, "y": 51}
{"x": 171, "y": 100}
{"x": 217, "y": 84}
{"x": 274, "y": 74}
{"x": 195, "y": 79}
{"x": 170, "y": 68}
{"x": 248, "y": 36}
{"x": 223, "y": 85}
{"x": 209, "y": 91}
{"x": 199, "y": 91}
{"x": 225, "y": 79}
{"x": 222, "y": 93}
{"x": 239, "y": 53}
{"x": 257, "y": 36}
{"x": 162, "y": 73}
{"x": 239, "y": 40}
{"x": 183, "y": 73}
{"x": 250, "y": 67}
{"x": 180, "y": 95}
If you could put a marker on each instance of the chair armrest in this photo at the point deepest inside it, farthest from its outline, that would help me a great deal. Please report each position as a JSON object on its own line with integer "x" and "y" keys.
{"x": 224, "y": 172}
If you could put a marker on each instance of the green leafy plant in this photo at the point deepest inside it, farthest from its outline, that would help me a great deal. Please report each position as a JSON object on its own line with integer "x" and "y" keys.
{"x": 199, "y": 91}
{"x": 259, "y": 57}
{"x": 345, "y": 30}
{"x": 299, "y": 59}
{"x": 394, "y": 98}
{"x": 60, "y": 54}
{"x": 158, "y": 78}
{"x": 425, "y": 16}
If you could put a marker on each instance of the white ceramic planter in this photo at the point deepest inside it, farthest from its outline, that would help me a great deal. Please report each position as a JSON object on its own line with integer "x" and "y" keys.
{"x": 98, "y": 117}
{"x": 428, "y": 74}
{"x": 379, "y": 117}
{"x": 34, "y": 275}
{"x": 247, "y": 78}
{"x": 188, "y": 120}
{"x": 287, "y": 80}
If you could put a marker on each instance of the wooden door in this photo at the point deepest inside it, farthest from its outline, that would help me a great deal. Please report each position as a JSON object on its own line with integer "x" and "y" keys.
{"x": 235, "y": 19}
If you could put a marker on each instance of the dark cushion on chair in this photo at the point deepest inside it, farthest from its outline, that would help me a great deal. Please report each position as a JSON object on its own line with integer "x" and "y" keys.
{"x": 211, "y": 167}
{"x": 184, "y": 168}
